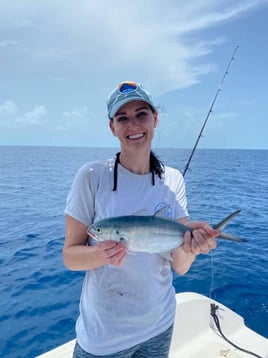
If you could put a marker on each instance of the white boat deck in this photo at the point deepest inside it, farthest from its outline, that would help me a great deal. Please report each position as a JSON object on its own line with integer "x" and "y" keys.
{"x": 64, "y": 351}
{"x": 195, "y": 335}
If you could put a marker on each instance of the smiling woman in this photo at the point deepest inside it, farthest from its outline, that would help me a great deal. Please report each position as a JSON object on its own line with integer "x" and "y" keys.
{"x": 122, "y": 311}
{"x": 134, "y": 126}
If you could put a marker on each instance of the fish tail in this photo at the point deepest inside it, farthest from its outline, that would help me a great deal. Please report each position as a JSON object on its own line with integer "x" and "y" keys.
{"x": 225, "y": 236}
{"x": 222, "y": 224}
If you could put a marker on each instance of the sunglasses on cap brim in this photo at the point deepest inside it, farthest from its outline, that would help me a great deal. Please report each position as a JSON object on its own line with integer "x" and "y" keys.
{"x": 127, "y": 87}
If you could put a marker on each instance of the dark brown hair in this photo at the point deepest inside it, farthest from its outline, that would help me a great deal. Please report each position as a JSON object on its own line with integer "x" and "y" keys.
{"x": 156, "y": 167}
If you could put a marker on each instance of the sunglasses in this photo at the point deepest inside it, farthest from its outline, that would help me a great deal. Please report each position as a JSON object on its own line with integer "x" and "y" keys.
{"x": 125, "y": 90}
{"x": 127, "y": 87}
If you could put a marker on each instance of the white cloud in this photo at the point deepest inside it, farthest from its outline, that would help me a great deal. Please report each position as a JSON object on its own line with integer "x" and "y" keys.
{"x": 77, "y": 118}
{"x": 36, "y": 117}
{"x": 7, "y": 43}
{"x": 8, "y": 108}
{"x": 76, "y": 113}
{"x": 11, "y": 117}
{"x": 100, "y": 39}
{"x": 61, "y": 58}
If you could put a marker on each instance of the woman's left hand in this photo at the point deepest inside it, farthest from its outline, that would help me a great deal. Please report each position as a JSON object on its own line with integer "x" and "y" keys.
{"x": 201, "y": 239}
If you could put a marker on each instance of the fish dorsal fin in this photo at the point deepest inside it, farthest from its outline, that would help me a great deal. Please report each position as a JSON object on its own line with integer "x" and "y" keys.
{"x": 162, "y": 212}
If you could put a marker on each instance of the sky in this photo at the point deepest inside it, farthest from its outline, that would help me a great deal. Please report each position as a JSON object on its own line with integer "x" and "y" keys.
{"x": 60, "y": 59}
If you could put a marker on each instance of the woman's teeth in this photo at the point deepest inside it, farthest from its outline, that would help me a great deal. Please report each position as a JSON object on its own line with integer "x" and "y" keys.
{"x": 136, "y": 136}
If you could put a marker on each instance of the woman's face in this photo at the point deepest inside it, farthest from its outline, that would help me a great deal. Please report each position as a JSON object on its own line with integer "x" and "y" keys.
{"x": 134, "y": 125}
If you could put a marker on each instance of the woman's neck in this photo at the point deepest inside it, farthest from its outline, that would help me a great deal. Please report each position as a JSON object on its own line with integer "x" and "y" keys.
{"x": 136, "y": 163}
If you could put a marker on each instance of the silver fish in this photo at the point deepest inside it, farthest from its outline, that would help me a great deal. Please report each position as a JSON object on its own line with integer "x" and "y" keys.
{"x": 151, "y": 234}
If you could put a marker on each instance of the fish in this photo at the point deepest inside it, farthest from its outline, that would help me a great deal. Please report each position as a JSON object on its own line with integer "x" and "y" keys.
{"x": 152, "y": 233}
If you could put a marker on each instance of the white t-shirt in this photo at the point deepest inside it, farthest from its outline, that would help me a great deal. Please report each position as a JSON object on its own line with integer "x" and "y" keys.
{"x": 123, "y": 306}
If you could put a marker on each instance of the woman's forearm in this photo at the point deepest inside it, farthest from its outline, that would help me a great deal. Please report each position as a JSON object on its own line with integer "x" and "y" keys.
{"x": 182, "y": 261}
{"x": 83, "y": 258}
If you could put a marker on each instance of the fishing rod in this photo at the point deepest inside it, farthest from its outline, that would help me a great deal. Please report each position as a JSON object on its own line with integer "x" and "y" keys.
{"x": 210, "y": 111}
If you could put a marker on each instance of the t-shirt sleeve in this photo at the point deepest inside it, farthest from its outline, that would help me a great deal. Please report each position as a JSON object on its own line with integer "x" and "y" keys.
{"x": 181, "y": 198}
{"x": 80, "y": 199}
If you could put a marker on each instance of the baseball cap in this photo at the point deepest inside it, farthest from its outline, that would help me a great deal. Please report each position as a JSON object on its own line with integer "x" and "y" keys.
{"x": 125, "y": 92}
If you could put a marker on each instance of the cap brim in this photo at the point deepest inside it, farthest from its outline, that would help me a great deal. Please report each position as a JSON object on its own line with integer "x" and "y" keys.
{"x": 126, "y": 100}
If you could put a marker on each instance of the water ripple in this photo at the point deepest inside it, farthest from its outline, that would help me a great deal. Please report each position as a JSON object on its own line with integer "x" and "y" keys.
{"x": 39, "y": 297}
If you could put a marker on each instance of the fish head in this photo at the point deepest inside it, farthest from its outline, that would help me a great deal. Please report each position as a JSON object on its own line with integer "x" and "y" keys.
{"x": 104, "y": 230}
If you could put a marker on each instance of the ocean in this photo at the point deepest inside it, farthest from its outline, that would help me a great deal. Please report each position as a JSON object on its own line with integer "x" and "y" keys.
{"x": 39, "y": 297}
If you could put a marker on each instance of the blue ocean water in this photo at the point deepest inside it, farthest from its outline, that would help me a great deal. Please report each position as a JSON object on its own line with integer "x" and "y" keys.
{"x": 39, "y": 297}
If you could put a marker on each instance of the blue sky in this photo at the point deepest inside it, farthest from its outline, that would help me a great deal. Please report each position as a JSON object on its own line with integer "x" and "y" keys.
{"x": 60, "y": 59}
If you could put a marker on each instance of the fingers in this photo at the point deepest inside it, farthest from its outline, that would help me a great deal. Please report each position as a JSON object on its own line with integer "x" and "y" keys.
{"x": 200, "y": 241}
{"x": 113, "y": 252}
{"x": 187, "y": 242}
{"x": 202, "y": 237}
{"x": 203, "y": 225}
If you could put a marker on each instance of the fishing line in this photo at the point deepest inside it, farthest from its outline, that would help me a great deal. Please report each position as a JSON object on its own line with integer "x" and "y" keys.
{"x": 210, "y": 111}
{"x": 211, "y": 289}
{"x": 213, "y": 307}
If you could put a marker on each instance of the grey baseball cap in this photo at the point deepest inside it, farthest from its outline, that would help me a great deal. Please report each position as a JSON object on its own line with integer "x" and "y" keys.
{"x": 124, "y": 93}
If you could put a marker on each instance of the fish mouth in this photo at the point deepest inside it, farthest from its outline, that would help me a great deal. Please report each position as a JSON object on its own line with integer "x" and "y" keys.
{"x": 136, "y": 136}
{"x": 92, "y": 234}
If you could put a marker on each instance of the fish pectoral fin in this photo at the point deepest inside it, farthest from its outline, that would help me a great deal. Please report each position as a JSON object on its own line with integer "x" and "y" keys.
{"x": 166, "y": 255}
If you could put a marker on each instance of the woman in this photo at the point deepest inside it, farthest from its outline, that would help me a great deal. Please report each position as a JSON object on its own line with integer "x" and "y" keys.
{"x": 127, "y": 303}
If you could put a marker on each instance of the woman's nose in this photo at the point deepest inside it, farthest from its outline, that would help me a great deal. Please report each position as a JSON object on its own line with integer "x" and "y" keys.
{"x": 133, "y": 121}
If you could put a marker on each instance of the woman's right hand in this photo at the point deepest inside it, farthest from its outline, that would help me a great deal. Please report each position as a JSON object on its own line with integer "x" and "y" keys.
{"x": 113, "y": 252}
{"x": 78, "y": 256}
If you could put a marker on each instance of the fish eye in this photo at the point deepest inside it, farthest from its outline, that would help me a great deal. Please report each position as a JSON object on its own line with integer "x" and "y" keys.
{"x": 98, "y": 229}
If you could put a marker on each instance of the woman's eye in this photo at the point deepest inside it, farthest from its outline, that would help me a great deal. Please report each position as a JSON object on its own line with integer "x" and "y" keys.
{"x": 141, "y": 115}
{"x": 122, "y": 119}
